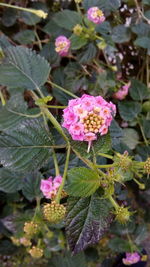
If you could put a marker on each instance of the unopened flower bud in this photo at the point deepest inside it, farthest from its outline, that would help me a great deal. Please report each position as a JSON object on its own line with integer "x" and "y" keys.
{"x": 54, "y": 212}
{"x": 122, "y": 215}
{"x": 123, "y": 161}
{"x": 15, "y": 241}
{"x": 102, "y": 45}
{"x": 36, "y": 252}
{"x": 77, "y": 30}
{"x": 40, "y": 13}
{"x": 30, "y": 228}
{"x": 147, "y": 166}
{"x": 25, "y": 241}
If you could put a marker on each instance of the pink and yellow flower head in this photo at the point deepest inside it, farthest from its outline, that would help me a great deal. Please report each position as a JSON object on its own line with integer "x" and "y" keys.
{"x": 62, "y": 45}
{"x": 50, "y": 186}
{"x": 88, "y": 116}
{"x": 122, "y": 92}
{"x": 131, "y": 258}
{"x": 95, "y": 15}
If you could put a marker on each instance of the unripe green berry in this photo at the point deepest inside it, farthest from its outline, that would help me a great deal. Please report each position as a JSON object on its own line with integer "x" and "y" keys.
{"x": 147, "y": 166}
{"x": 122, "y": 215}
{"x": 36, "y": 252}
{"x": 54, "y": 212}
{"x": 30, "y": 228}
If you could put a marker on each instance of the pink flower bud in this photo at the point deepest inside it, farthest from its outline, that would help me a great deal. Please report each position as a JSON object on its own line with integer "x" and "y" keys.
{"x": 122, "y": 92}
{"x": 62, "y": 45}
{"x": 95, "y": 15}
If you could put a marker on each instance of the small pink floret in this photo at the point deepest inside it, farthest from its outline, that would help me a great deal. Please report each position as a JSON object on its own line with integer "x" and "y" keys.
{"x": 95, "y": 15}
{"x": 50, "y": 186}
{"x": 131, "y": 258}
{"x": 62, "y": 45}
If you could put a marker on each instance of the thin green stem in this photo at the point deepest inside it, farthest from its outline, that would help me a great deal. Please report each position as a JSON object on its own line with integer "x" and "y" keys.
{"x": 57, "y": 172}
{"x": 55, "y": 123}
{"x": 113, "y": 202}
{"x": 59, "y": 107}
{"x": 26, "y": 115}
{"x": 58, "y": 196}
{"x": 143, "y": 134}
{"x": 2, "y": 98}
{"x": 105, "y": 155}
{"x": 62, "y": 89}
{"x": 39, "y": 13}
{"x": 105, "y": 166}
{"x": 38, "y": 39}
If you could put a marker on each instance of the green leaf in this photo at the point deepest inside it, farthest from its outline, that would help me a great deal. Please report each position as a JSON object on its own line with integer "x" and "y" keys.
{"x": 143, "y": 42}
{"x": 119, "y": 245}
{"x": 141, "y": 29}
{"x": 31, "y": 185}
{"x": 87, "y": 220}
{"x": 25, "y": 37}
{"x": 82, "y": 182}
{"x": 110, "y": 5}
{"x": 69, "y": 261}
{"x": 102, "y": 145}
{"x": 129, "y": 110}
{"x": 138, "y": 90}
{"x": 29, "y": 18}
{"x": 121, "y": 34}
{"x": 22, "y": 67}
{"x": 9, "y": 17}
{"x": 67, "y": 19}
{"x": 26, "y": 146}
{"x": 8, "y": 116}
{"x": 10, "y": 182}
{"x": 146, "y": 2}
{"x": 130, "y": 138}
{"x": 88, "y": 54}
{"x": 77, "y": 41}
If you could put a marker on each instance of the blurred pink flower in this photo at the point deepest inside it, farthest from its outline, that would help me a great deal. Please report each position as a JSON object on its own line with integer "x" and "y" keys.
{"x": 131, "y": 258}
{"x": 122, "y": 92}
{"x": 62, "y": 45}
{"x": 50, "y": 186}
{"x": 95, "y": 15}
{"x": 87, "y": 117}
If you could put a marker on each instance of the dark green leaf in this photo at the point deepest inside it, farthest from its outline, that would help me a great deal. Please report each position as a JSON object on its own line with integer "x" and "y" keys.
{"x": 26, "y": 146}
{"x": 130, "y": 138}
{"x": 139, "y": 90}
{"x": 119, "y": 245}
{"x": 87, "y": 220}
{"x": 129, "y": 110}
{"x": 141, "y": 29}
{"x": 25, "y": 37}
{"x": 67, "y": 19}
{"x": 88, "y": 54}
{"x": 110, "y": 5}
{"x": 69, "y": 260}
{"x": 31, "y": 185}
{"x": 9, "y": 17}
{"x": 10, "y": 182}
{"x": 121, "y": 34}
{"x": 29, "y": 18}
{"x": 77, "y": 41}
{"x": 82, "y": 182}
{"x": 143, "y": 42}
{"x": 22, "y": 67}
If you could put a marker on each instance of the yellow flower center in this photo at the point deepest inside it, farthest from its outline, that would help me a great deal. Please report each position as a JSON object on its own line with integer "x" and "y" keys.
{"x": 93, "y": 121}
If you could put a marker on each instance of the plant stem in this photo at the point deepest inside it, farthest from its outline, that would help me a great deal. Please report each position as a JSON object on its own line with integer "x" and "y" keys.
{"x": 39, "y": 13}
{"x": 57, "y": 172}
{"x": 105, "y": 166}
{"x": 62, "y": 89}
{"x": 38, "y": 40}
{"x": 55, "y": 123}
{"x": 58, "y": 196}
{"x": 26, "y": 115}
{"x": 143, "y": 134}
{"x": 105, "y": 155}
{"x": 59, "y": 107}
{"x": 113, "y": 202}
{"x": 2, "y": 98}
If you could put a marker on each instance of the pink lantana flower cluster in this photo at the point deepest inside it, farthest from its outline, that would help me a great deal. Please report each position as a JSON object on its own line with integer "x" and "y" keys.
{"x": 131, "y": 258}
{"x": 122, "y": 92}
{"x": 95, "y": 15}
{"x": 50, "y": 186}
{"x": 62, "y": 45}
{"x": 88, "y": 116}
